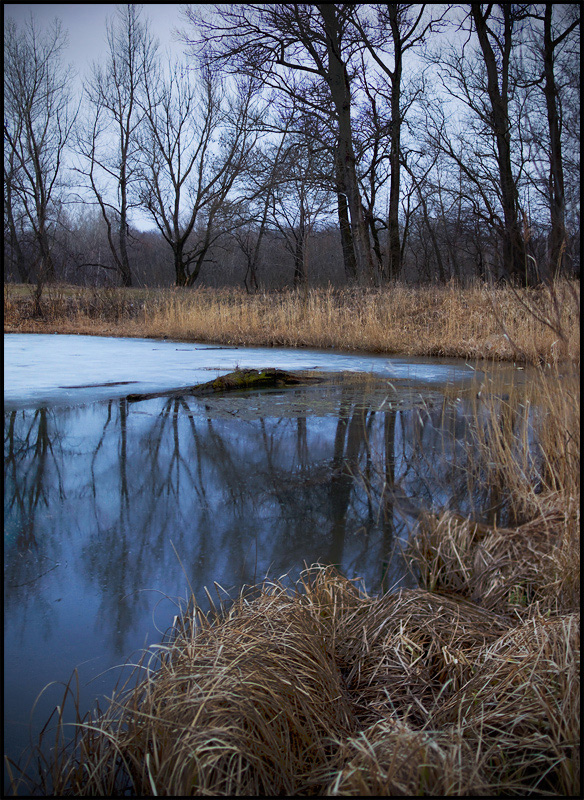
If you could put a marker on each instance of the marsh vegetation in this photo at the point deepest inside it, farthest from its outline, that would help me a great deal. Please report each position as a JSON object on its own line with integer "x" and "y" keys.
{"x": 535, "y": 326}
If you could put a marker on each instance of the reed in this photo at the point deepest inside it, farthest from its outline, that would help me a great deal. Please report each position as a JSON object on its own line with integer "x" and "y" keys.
{"x": 525, "y": 440}
{"x": 528, "y": 326}
{"x": 524, "y": 447}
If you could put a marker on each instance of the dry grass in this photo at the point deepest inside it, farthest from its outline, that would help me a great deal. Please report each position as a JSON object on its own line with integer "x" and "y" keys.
{"x": 530, "y": 326}
{"x": 525, "y": 448}
{"x": 513, "y": 728}
{"x": 522, "y": 705}
{"x": 391, "y": 758}
{"x": 503, "y": 569}
{"x": 525, "y": 441}
{"x": 323, "y": 690}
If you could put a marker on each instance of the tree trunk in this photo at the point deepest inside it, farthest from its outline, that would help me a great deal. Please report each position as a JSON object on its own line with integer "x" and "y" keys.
{"x": 125, "y": 271}
{"x": 370, "y": 220}
{"x": 299, "y": 253}
{"x": 179, "y": 267}
{"x": 433, "y": 239}
{"x": 190, "y": 281}
{"x": 394, "y": 245}
{"x": 339, "y": 85}
{"x": 514, "y": 253}
{"x": 46, "y": 264}
{"x": 557, "y": 240}
{"x": 14, "y": 243}
{"x": 124, "y": 261}
{"x": 251, "y": 281}
{"x": 345, "y": 228}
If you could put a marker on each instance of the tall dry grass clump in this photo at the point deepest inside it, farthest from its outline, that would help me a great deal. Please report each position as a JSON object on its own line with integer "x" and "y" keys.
{"x": 525, "y": 447}
{"x": 522, "y": 706}
{"x": 247, "y": 702}
{"x": 521, "y": 703}
{"x": 512, "y": 728}
{"x": 320, "y": 689}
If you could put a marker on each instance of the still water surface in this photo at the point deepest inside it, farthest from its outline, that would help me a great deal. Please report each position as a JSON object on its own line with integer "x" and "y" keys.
{"x": 116, "y": 511}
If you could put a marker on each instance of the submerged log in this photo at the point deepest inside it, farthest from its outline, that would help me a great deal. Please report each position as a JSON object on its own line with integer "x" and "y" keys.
{"x": 238, "y": 379}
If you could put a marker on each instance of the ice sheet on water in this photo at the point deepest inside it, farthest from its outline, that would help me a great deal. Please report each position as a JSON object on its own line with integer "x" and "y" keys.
{"x": 42, "y": 369}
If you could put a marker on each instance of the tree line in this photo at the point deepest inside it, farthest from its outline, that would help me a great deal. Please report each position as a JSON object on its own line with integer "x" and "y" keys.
{"x": 298, "y": 143}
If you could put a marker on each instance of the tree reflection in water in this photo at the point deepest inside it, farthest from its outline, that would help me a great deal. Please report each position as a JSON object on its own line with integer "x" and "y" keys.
{"x": 107, "y": 501}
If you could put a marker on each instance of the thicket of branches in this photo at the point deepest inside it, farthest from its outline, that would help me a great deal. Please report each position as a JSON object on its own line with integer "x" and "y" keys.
{"x": 294, "y": 143}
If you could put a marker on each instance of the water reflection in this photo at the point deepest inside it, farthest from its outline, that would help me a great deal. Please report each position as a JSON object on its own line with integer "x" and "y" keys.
{"x": 110, "y": 508}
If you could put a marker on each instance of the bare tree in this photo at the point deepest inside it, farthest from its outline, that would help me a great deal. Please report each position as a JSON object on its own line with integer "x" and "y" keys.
{"x": 263, "y": 171}
{"x": 309, "y": 105}
{"x": 108, "y": 139}
{"x": 478, "y": 70}
{"x": 420, "y": 185}
{"x": 399, "y": 27}
{"x": 300, "y": 199}
{"x": 498, "y": 34}
{"x": 195, "y": 145}
{"x": 275, "y": 42}
{"x": 336, "y": 74}
{"x": 37, "y": 127}
{"x": 371, "y": 144}
{"x": 14, "y": 217}
{"x": 559, "y": 22}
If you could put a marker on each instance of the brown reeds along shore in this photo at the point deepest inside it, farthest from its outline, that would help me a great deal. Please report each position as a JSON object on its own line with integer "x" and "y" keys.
{"x": 536, "y": 326}
{"x": 323, "y": 690}
{"x": 468, "y": 685}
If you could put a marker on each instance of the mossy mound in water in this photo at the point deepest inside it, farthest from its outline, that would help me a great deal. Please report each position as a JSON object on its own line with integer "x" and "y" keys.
{"x": 252, "y": 379}
{"x": 238, "y": 379}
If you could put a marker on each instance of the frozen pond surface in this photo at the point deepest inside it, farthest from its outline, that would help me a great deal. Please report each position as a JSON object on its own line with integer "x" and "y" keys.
{"x": 115, "y": 511}
{"x": 53, "y": 369}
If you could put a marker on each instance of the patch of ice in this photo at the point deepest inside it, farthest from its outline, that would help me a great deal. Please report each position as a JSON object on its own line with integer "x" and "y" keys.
{"x": 41, "y": 369}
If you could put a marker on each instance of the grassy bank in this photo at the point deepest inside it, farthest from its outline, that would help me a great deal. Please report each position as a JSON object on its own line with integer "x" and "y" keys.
{"x": 467, "y": 685}
{"x": 323, "y": 690}
{"x": 530, "y": 326}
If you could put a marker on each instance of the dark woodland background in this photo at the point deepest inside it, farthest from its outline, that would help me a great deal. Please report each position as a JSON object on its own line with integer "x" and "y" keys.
{"x": 298, "y": 144}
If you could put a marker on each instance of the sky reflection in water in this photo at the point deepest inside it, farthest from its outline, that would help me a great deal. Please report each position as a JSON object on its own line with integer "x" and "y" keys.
{"x": 114, "y": 511}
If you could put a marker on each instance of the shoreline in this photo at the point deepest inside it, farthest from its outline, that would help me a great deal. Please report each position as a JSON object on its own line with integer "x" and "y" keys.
{"x": 440, "y": 322}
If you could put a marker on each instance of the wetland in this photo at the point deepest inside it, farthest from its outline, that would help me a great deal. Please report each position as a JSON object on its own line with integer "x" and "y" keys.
{"x": 118, "y": 512}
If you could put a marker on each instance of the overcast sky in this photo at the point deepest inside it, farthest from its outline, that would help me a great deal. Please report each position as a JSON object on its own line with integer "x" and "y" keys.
{"x": 86, "y": 24}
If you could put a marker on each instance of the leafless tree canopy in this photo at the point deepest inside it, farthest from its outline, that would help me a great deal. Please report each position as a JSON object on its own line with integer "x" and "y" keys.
{"x": 38, "y": 119}
{"x": 299, "y": 143}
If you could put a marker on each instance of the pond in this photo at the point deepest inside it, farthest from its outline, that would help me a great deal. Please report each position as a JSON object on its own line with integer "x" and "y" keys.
{"x": 115, "y": 511}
